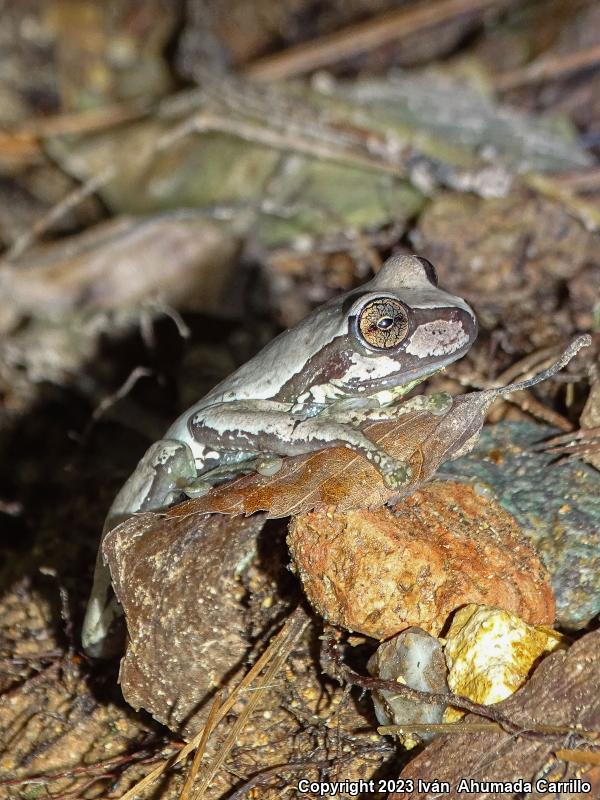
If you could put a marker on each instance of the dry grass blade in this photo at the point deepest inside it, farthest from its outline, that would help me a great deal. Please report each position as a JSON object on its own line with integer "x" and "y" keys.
{"x": 573, "y": 446}
{"x": 281, "y": 647}
{"x": 363, "y": 37}
{"x": 549, "y": 69}
{"x": 293, "y": 627}
{"x": 208, "y": 729}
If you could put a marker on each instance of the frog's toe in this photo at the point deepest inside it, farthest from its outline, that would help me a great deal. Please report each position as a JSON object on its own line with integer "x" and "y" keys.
{"x": 197, "y": 488}
{"x": 395, "y": 474}
{"x": 441, "y": 403}
{"x": 268, "y": 465}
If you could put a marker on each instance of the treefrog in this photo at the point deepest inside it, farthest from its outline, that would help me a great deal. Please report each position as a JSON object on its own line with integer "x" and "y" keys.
{"x": 351, "y": 360}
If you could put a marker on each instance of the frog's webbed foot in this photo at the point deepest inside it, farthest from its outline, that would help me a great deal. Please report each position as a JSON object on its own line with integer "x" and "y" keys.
{"x": 437, "y": 404}
{"x": 158, "y": 480}
{"x": 315, "y": 434}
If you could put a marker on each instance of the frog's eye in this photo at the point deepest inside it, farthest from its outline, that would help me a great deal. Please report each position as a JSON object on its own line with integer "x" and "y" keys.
{"x": 383, "y": 323}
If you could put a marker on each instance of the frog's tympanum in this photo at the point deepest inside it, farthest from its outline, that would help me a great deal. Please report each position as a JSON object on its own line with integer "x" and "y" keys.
{"x": 350, "y": 361}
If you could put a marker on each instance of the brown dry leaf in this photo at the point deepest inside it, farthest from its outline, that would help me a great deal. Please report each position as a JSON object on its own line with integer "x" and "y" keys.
{"x": 178, "y": 583}
{"x": 339, "y": 477}
{"x": 342, "y": 478}
{"x": 187, "y": 262}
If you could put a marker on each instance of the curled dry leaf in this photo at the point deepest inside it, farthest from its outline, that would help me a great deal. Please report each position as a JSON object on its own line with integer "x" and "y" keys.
{"x": 382, "y": 571}
{"x": 177, "y": 582}
{"x": 341, "y": 478}
{"x": 562, "y": 692}
{"x": 186, "y": 263}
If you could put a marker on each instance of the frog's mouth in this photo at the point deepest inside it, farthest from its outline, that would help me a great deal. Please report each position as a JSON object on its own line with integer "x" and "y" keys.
{"x": 398, "y": 384}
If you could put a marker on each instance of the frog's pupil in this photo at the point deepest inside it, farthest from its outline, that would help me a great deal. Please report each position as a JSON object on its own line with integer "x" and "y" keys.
{"x": 384, "y": 323}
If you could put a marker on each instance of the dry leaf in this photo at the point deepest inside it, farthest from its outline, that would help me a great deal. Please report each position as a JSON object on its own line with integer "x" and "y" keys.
{"x": 187, "y": 261}
{"x": 339, "y": 477}
{"x": 177, "y": 582}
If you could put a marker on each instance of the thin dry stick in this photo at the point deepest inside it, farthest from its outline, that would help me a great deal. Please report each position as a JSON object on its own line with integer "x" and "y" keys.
{"x": 581, "y": 180}
{"x": 478, "y": 727}
{"x": 579, "y": 756}
{"x": 295, "y": 626}
{"x": 363, "y": 37}
{"x": 68, "y": 202}
{"x": 133, "y": 377}
{"x": 81, "y": 121}
{"x": 265, "y": 658}
{"x": 259, "y": 133}
{"x": 549, "y": 68}
{"x": 208, "y": 728}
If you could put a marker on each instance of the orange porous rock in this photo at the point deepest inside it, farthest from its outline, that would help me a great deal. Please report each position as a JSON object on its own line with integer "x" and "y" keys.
{"x": 381, "y": 571}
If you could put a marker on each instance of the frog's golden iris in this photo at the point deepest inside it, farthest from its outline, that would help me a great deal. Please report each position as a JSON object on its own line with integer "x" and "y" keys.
{"x": 383, "y": 323}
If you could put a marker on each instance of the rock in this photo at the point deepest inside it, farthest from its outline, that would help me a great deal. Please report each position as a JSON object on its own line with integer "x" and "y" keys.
{"x": 380, "y": 572}
{"x": 563, "y": 691}
{"x": 556, "y": 505}
{"x": 413, "y": 658}
{"x": 490, "y": 653}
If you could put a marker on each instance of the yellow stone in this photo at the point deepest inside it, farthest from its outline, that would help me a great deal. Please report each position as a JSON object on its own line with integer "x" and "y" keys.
{"x": 490, "y": 653}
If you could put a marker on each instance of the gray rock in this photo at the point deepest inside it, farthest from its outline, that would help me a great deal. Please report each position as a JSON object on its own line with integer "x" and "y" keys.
{"x": 557, "y": 506}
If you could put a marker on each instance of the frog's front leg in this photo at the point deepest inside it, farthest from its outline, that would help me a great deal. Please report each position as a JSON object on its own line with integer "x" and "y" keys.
{"x": 263, "y": 426}
{"x": 437, "y": 404}
{"x": 157, "y": 481}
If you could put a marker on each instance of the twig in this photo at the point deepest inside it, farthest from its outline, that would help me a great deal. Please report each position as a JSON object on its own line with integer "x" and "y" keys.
{"x": 108, "y": 402}
{"x": 259, "y": 133}
{"x": 549, "y": 68}
{"x": 581, "y": 180}
{"x": 81, "y": 121}
{"x": 261, "y": 778}
{"x": 573, "y": 446}
{"x": 208, "y": 728}
{"x": 333, "y": 664}
{"x": 579, "y": 756}
{"x": 294, "y": 619}
{"x": 68, "y": 202}
{"x": 363, "y": 37}
{"x": 100, "y": 767}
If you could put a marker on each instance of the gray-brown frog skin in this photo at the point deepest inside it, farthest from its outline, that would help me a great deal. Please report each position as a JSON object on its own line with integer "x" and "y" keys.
{"x": 351, "y": 360}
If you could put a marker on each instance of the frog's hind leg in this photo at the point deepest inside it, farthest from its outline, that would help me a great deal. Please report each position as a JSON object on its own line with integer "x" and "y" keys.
{"x": 158, "y": 481}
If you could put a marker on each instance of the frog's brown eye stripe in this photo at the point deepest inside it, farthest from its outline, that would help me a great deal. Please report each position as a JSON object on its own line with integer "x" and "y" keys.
{"x": 383, "y": 323}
